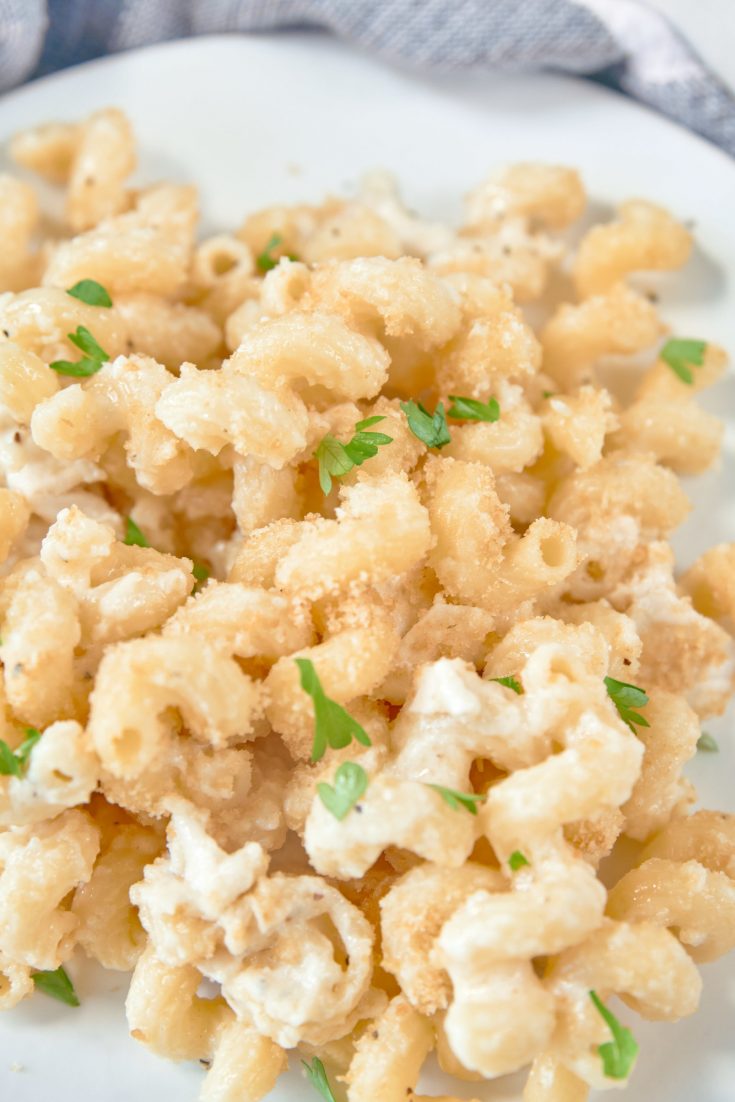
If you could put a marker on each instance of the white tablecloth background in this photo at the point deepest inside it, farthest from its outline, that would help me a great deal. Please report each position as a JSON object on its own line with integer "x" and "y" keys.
{"x": 710, "y": 26}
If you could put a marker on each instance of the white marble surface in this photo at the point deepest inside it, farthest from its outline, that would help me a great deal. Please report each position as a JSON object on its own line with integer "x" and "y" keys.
{"x": 710, "y": 26}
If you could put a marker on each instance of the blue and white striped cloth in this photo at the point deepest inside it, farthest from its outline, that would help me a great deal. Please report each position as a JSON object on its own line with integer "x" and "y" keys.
{"x": 623, "y": 43}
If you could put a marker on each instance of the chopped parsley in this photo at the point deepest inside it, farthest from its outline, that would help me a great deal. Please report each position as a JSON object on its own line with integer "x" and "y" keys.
{"x": 91, "y": 292}
{"x": 457, "y": 800}
{"x": 23, "y": 752}
{"x": 350, "y": 782}
{"x": 9, "y": 764}
{"x": 430, "y": 428}
{"x": 682, "y": 355}
{"x": 200, "y": 572}
{"x": 333, "y": 726}
{"x": 510, "y": 683}
{"x": 626, "y": 697}
{"x": 58, "y": 985}
{"x": 91, "y": 362}
{"x": 266, "y": 260}
{"x": 470, "y": 409}
{"x": 618, "y": 1056}
{"x": 133, "y": 535}
{"x": 548, "y": 393}
{"x": 15, "y": 762}
{"x": 708, "y": 743}
{"x": 317, "y": 1076}
{"x": 517, "y": 860}
{"x": 336, "y": 459}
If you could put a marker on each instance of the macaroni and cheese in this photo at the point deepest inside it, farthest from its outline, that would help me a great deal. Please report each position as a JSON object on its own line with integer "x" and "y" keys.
{"x": 341, "y": 639}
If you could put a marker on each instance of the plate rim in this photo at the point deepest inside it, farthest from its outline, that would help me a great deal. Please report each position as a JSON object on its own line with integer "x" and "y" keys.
{"x": 234, "y": 40}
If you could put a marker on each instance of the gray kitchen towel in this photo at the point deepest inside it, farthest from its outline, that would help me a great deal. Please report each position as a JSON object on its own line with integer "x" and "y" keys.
{"x": 623, "y": 43}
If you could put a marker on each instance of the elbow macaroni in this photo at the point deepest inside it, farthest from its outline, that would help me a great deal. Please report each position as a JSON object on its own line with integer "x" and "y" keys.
{"x": 463, "y": 600}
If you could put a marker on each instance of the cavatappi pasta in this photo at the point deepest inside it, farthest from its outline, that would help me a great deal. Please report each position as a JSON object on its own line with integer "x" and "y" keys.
{"x": 340, "y": 637}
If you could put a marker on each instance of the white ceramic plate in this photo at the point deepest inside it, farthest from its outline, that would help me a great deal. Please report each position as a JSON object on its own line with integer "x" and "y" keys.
{"x": 260, "y": 120}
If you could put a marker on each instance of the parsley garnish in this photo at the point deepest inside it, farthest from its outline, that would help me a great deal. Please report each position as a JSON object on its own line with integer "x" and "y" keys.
{"x": 91, "y": 292}
{"x": 333, "y": 726}
{"x": 14, "y": 762}
{"x": 510, "y": 683}
{"x": 266, "y": 260}
{"x": 470, "y": 409}
{"x": 708, "y": 743}
{"x": 317, "y": 1076}
{"x": 58, "y": 985}
{"x": 430, "y": 428}
{"x": 24, "y": 750}
{"x": 517, "y": 860}
{"x": 456, "y": 800}
{"x": 682, "y": 355}
{"x": 133, "y": 535}
{"x": 200, "y": 572}
{"x": 9, "y": 764}
{"x": 91, "y": 362}
{"x": 548, "y": 393}
{"x": 618, "y": 1055}
{"x": 625, "y": 697}
{"x": 350, "y": 782}
{"x": 336, "y": 459}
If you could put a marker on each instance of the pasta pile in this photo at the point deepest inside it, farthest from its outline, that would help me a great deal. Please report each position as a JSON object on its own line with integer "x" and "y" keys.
{"x": 341, "y": 640}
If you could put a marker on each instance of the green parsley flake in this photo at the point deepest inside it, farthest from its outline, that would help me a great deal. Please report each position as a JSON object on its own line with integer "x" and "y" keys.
{"x": 58, "y": 985}
{"x": 618, "y": 1056}
{"x": 625, "y": 697}
{"x": 510, "y": 683}
{"x": 457, "y": 800}
{"x": 336, "y": 459}
{"x": 15, "y": 762}
{"x": 469, "y": 409}
{"x": 266, "y": 260}
{"x": 133, "y": 535}
{"x": 682, "y": 355}
{"x": 9, "y": 764}
{"x": 517, "y": 860}
{"x": 23, "y": 752}
{"x": 333, "y": 726}
{"x": 317, "y": 1076}
{"x": 201, "y": 574}
{"x": 708, "y": 743}
{"x": 91, "y": 292}
{"x": 91, "y": 362}
{"x": 430, "y": 428}
{"x": 350, "y": 783}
